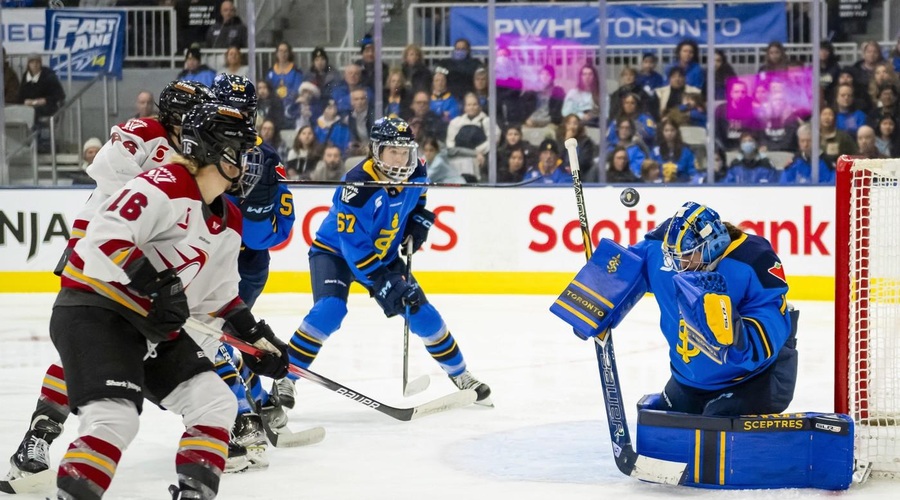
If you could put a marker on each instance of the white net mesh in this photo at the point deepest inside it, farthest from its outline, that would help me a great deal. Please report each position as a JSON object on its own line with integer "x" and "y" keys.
{"x": 875, "y": 311}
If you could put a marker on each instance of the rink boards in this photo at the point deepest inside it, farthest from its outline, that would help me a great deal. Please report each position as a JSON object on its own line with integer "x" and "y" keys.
{"x": 501, "y": 240}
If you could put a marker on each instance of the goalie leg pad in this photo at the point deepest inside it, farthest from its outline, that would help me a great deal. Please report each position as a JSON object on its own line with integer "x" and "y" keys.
{"x": 794, "y": 450}
{"x": 603, "y": 291}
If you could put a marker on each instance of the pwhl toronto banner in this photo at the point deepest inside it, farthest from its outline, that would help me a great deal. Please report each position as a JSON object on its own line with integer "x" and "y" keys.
{"x": 627, "y": 24}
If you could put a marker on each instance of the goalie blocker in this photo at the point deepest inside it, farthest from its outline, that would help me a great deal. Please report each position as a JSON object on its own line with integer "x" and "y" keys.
{"x": 791, "y": 450}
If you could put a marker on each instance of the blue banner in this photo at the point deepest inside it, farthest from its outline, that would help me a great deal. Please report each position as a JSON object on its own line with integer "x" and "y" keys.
{"x": 630, "y": 24}
{"x": 96, "y": 39}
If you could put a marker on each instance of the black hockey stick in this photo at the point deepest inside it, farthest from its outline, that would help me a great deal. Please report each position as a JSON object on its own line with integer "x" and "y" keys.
{"x": 303, "y": 182}
{"x": 627, "y": 459}
{"x": 420, "y": 384}
{"x": 451, "y": 401}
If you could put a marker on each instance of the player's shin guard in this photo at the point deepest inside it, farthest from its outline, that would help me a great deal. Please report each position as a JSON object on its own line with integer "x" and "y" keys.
{"x": 439, "y": 342}
{"x": 229, "y": 374}
{"x": 54, "y": 399}
{"x": 323, "y": 319}
{"x": 201, "y": 459}
{"x": 87, "y": 469}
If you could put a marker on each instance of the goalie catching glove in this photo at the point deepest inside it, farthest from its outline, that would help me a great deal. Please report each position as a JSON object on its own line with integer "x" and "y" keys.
{"x": 712, "y": 323}
{"x": 274, "y": 363}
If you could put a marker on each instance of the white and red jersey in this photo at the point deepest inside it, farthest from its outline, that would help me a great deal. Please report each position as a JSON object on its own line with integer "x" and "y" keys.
{"x": 160, "y": 215}
{"x": 134, "y": 147}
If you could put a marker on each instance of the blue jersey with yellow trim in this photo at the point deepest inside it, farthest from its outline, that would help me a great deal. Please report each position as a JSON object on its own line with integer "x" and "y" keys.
{"x": 757, "y": 287}
{"x": 365, "y": 225}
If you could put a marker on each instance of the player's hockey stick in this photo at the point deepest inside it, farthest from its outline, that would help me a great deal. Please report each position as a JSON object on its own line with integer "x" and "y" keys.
{"x": 420, "y": 384}
{"x": 35, "y": 483}
{"x": 627, "y": 460}
{"x": 303, "y": 182}
{"x": 451, "y": 401}
{"x": 282, "y": 437}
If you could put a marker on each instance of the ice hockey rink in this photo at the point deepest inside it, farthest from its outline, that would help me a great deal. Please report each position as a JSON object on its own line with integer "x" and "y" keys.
{"x": 546, "y": 438}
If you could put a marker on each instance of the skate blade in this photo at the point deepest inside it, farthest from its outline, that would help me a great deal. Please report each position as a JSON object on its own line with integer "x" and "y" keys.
{"x": 33, "y": 483}
{"x": 486, "y": 402}
{"x": 416, "y": 386}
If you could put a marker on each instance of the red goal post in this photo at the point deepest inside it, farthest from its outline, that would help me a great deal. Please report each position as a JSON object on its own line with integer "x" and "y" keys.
{"x": 867, "y": 307}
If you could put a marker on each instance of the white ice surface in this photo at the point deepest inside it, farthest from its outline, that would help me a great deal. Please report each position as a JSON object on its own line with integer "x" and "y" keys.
{"x": 547, "y": 437}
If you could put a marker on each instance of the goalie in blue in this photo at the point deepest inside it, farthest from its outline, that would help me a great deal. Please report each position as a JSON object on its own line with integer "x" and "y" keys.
{"x": 359, "y": 241}
{"x": 721, "y": 293}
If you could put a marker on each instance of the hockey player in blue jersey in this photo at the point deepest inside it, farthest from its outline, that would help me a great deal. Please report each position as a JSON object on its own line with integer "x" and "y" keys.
{"x": 359, "y": 241}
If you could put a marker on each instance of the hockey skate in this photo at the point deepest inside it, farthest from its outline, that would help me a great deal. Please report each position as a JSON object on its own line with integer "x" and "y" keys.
{"x": 466, "y": 380}
{"x": 29, "y": 469}
{"x": 248, "y": 432}
{"x": 184, "y": 494}
{"x": 237, "y": 460}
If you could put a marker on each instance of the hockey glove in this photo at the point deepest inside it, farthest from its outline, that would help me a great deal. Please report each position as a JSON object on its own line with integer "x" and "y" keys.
{"x": 272, "y": 364}
{"x": 393, "y": 294}
{"x": 418, "y": 223}
{"x": 260, "y": 203}
{"x": 169, "y": 306}
{"x": 711, "y": 321}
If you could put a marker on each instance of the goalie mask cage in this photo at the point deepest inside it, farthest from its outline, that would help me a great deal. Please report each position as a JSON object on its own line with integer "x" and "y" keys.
{"x": 867, "y": 308}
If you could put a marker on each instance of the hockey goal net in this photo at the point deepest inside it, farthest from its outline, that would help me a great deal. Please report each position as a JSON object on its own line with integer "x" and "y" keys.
{"x": 867, "y": 308}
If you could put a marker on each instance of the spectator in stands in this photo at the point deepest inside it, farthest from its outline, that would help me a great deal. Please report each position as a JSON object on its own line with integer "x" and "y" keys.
{"x": 397, "y": 96}
{"x": 305, "y": 153}
{"x": 780, "y": 123}
{"x": 144, "y": 106}
{"x": 835, "y": 143}
{"x": 691, "y": 112}
{"x": 630, "y": 109}
{"x": 414, "y": 69}
{"x": 509, "y": 88}
{"x": 652, "y": 173}
{"x": 194, "y": 70}
{"x": 461, "y": 68}
{"x": 800, "y": 170}
{"x": 331, "y": 166}
{"x": 268, "y": 105}
{"x": 330, "y": 129}
{"x": 367, "y": 62}
{"x": 271, "y": 136}
{"x": 760, "y": 102}
{"x": 677, "y": 159}
{"x": 359, "y": 121}
{"x": 861, "y": 99}
{"x": 320, "y": 73}
{"x": 895, "y": 54}
{"x": 618, "y": 167}
{"x": 285, "y": 78}
{"x": 308, "y": 105}
{"x": 471, "y": 130}
{"x": 442, "y": 101}
{"x": 775, "y": 61}
{"x": 648, "y": 78}
{"x": 672, "y": 95}
{"x": 512, "y": 139}
{"x": 549, "y": 168}
{"x": 89, "y": 151}
{"x": 829, "y": 67}
{"x": 886, "y": 104}
{"x": 687, "y": 57}
{"x": 234, "y": 62}
{"x": 439, "y": 167}
{"x": 883, "y": 75}
{"x": 511, "y": 168}
{"x": 352, "y": 81}
{"x": 544, "y": 105}
{"x": 887, "y": 140}
{"x": 481, "y": 90}
{"x": 849, "y": 118}
{"x": 627, "y": 137}
{"x": 719, "y": 165}
{"x": 431, "y": 124}
{"x": 724, "y": 71}
{"x": 10, "y": 82}
{"x": 229, "y": 31}
{"x": 627, "y": 85}
{"x": 584, "y": 99}
{"x": 40, "y": 89}
{"x": 735, "y": 116}
{"x": 865, "y": 142}
{"x": 750, "y": 167}
{"x": 864, "y": 69}
{"x": 572, "y": 128}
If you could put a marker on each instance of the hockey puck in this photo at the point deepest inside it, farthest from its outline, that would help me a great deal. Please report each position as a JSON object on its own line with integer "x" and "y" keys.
{"x": 629, "y": 197}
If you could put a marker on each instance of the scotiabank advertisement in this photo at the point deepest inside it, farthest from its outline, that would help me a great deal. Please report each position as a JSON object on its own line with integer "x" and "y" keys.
{"x": 485, "y": 240}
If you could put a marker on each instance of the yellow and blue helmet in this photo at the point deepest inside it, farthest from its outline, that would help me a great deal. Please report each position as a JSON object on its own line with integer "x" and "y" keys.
{"x": 694, "y": 228}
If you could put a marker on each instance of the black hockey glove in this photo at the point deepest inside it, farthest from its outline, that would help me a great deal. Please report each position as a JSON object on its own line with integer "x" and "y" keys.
{"x": 270, "y": 365}
{"x": 393, "y": 294}
{"x": 261, "y": 202}
{"x": 169, "y": 309}
{"x": 418, "y": 223}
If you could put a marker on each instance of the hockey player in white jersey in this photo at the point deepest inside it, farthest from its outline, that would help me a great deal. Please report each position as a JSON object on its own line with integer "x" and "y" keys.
{"x": 160, "y": 250}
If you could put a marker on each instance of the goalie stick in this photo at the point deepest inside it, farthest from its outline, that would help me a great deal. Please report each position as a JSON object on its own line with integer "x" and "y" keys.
{"x": 303, "y": 182}
{"x": 451, "y": 401}
{"x": 627, "y": 459}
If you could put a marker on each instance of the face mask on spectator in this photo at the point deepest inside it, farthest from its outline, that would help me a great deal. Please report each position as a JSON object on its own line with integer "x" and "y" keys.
{"x": 459, "y": 54}
{"x": 748, "y": 147}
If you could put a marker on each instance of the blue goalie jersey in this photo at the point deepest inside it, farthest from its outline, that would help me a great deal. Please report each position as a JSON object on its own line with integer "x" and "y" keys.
{"x": 757, "y": 288}
{"x": 365, "y": 225}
